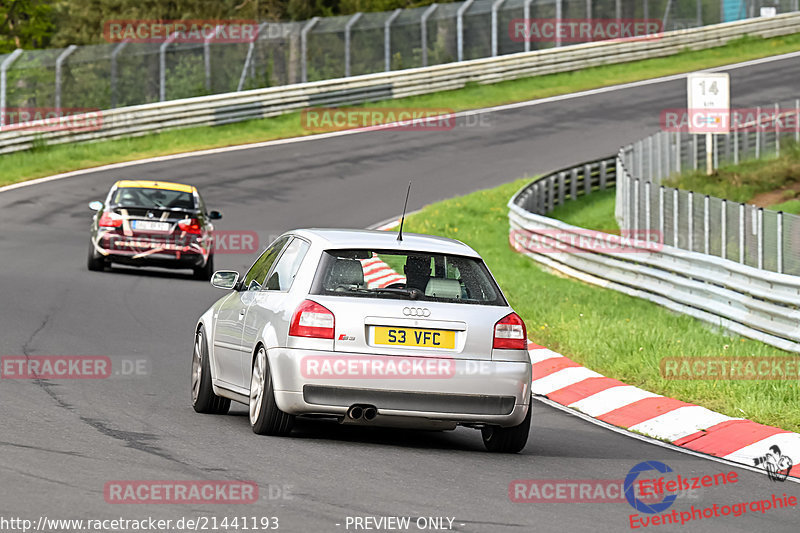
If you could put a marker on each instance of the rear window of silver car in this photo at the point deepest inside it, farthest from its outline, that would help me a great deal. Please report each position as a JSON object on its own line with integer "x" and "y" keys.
{"x": 406, "y": 275}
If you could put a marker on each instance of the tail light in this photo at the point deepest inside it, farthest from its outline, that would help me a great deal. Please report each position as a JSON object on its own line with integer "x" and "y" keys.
{"x": 510, "y": 333}
{"x": 110, "y": 219}
{"x": 190, "y": 225}
{"x": 310, "y": 319}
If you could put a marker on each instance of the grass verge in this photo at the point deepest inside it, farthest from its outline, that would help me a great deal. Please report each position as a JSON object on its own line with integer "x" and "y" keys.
{"x": 615, "y": 334}
{"x": 48, "y": 160}
{"x": 750, "y": 179}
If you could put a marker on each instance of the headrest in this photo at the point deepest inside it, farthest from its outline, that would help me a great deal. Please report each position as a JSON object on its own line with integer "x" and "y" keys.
{"x": 443, "y": 288}
{"x": 346, "y": 272}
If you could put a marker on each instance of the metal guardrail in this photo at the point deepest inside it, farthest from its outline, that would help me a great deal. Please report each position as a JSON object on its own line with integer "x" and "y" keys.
{"x": 260, "y": 103}
{"x": 124, "y": 72}
{"x": 761, "y": 238}
{"x": 750, "y": 302}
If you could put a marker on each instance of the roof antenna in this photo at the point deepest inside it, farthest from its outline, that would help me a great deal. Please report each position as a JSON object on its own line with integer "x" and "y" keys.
{"x": 403, "y": 218}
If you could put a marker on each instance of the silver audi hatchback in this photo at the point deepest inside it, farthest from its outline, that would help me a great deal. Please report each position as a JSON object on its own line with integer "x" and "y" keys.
{"x": 368, "y": 329}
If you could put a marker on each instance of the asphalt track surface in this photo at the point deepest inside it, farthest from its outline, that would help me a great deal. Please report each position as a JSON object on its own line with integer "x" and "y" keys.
{"x": 61, "y": 441}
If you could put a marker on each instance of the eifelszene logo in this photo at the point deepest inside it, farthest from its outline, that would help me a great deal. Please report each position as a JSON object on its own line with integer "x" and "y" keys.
{"x": 637, "y": 503}
{"x": 777, "y": 465}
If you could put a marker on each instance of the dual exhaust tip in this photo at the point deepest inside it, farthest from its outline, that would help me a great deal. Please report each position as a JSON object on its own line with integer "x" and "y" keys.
{"x": 358, "y": 412}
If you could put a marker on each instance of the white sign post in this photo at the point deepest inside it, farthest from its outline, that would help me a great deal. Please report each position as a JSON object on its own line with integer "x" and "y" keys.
{"x": 709, "y": 108}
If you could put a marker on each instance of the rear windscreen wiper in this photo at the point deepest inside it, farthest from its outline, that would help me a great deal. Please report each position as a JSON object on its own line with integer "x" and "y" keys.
{"x": 411, "y": 293}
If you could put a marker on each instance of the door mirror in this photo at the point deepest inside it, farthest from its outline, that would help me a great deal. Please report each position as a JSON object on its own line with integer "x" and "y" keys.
{"x": 215, "y": 215}
{"x": 225, "y": 279}
{"x": 95, "y": 206}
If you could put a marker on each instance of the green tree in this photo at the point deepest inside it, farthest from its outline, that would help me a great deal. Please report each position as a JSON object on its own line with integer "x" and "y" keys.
{"x": 25, "y": 24}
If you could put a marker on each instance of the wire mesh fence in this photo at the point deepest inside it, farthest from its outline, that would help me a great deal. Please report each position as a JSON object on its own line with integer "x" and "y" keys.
{"x": 754, "y": 236}
{"x": 119, "y": 74}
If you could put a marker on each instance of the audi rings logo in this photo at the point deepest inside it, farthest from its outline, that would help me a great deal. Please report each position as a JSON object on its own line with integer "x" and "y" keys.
{"x": 417, "y": 311}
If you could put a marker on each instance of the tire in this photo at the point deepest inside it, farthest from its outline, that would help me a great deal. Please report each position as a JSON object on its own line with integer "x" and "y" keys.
{"x": 265, "y": 417}
{"x": 203, "y": 398}
{"x": 94, "y": 262}
{"x": 205, "y": 272}
{"x": 507, "y": 440}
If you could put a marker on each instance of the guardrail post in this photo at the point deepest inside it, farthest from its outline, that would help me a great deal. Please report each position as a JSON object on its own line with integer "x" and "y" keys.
{"x": 460, "y": 28}
{"x": 661, "y": 213}
{"x": 59, "y": 65}
{"x": 706, "y": 229}
{"x": 715, "y": 151}
{"x": 797, "y": 120}
{"x": 779, "y": 237}
{"x": 635, "y": 206}
{"x": 760, "y": 236}
{"x": 690, "y": 221}
{"x": 495, "y": 22}
{"x": 587, "y": 179}
{"x": 526, "y": 14}
{"x": 114, "y": 54}
{"x": 603, "y": 170}
{"x": 3, "y": 82}
{"x": 694, "y": 151}
{"x": 678, "y": 152}
{"x": 618, "y": 10}
{"x": 558, "y": 21}
{"x": 657, "y": 173}
{"x": 387, "y": 38}
{"x": 162, "y": 66}
{"x": 423, "y": 29}
{"x": 551, "y": 185}
{"x": 249, "y": 58}
{"x": 348, "y": 28}
{"x": 562, "y": 187}
{"x": 649, "y": 158}
{"x": 647, "y": 220}
{"x": 741, "y": 233}
{"x": 736, "y": 146}
{"x": 304, "y": 48}
{"x": 777, "y": 131}
{"x": 700, "y": 13}
{"x": 723, "y": 222}
{"x": 542, "y": 197}
{"x": 573, "y": 185}
{"x": 758, "y": 132}
{"x": 640, "y": 153}
{"x": 207, "y": 55}
{"x": 675, "y": 217}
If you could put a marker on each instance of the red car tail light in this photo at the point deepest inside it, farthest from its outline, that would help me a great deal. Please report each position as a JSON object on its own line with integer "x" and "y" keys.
{"x": 510, "y": 333}
{"x": 110, "y": 220}
{"x": 310, "y": 319}
{"x": 190, "y": 225}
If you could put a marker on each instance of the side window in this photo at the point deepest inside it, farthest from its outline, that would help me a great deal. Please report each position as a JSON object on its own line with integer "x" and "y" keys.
{"x": 287, "y": 266}
{"x": 255, "y": 276}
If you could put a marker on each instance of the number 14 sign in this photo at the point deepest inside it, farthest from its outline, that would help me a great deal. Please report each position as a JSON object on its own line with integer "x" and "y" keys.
{"x": 709, "y": 105}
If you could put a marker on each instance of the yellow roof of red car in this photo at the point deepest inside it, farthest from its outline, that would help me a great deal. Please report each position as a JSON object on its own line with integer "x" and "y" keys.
{"x": 164, "y": 185}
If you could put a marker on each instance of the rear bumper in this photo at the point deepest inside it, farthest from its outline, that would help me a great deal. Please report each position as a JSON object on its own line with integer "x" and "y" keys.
{"x": 139, "y": 251}
{"x": 468, "y": 392}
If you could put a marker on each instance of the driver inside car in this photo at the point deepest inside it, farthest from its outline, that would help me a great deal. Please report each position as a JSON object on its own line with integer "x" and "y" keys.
{"x": 418, "y": 271}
